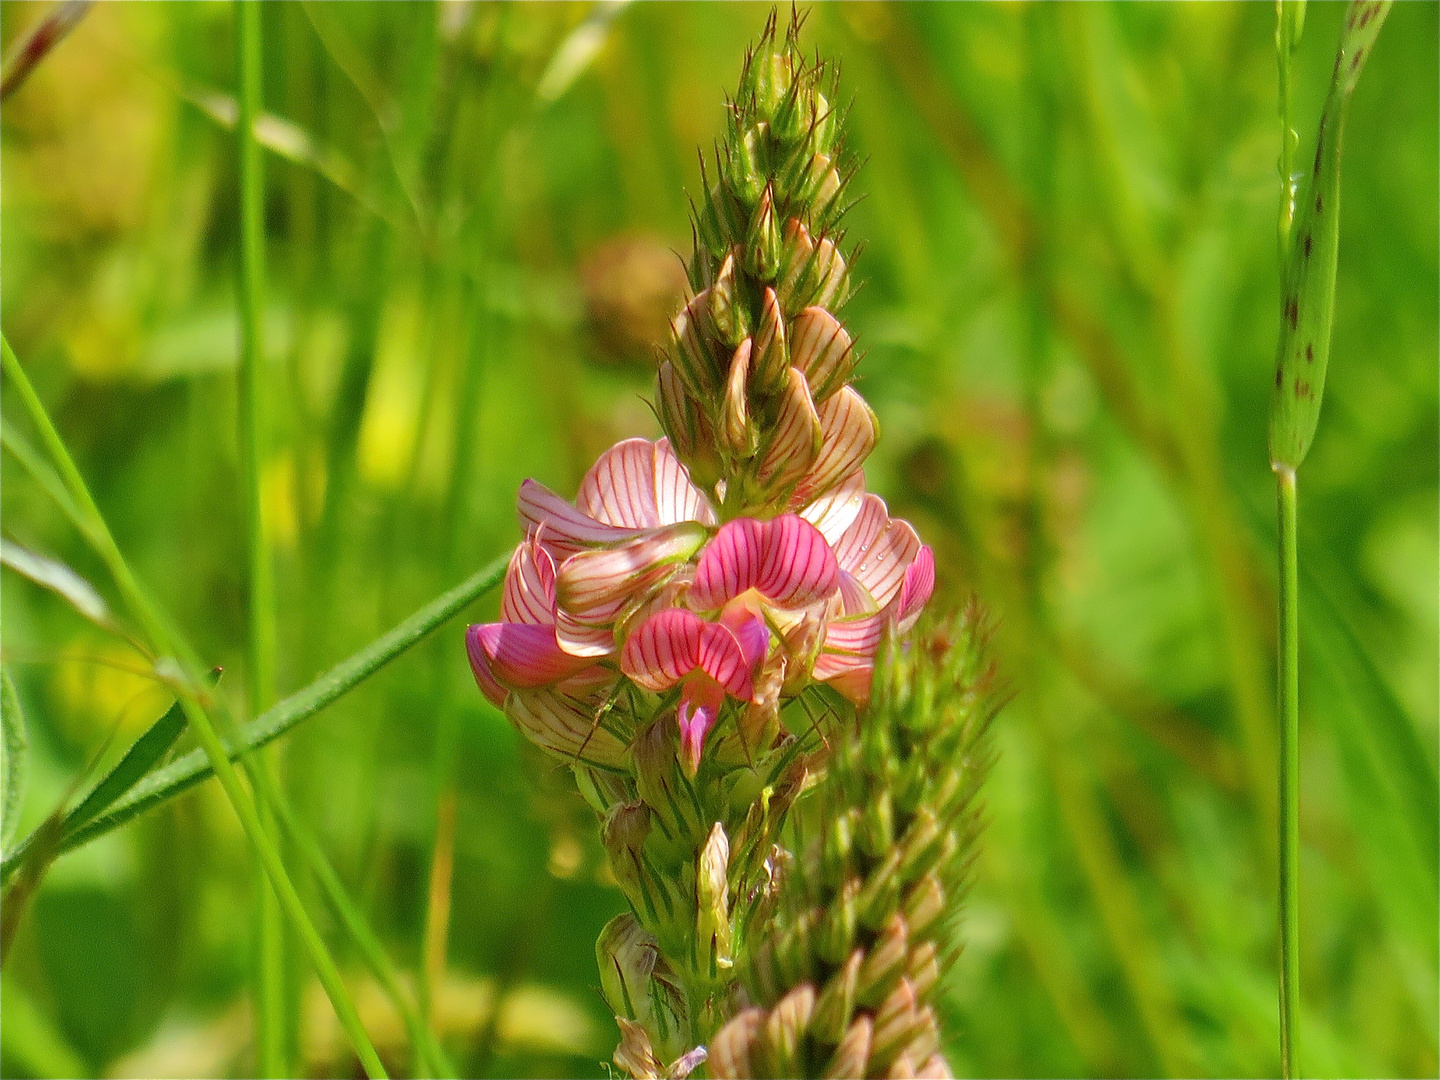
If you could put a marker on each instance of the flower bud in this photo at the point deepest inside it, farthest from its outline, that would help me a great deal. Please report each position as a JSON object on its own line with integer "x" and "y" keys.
{"x": 836, "y": 932}
{"x": 883, "y": 963}
{"x": 822, "y": 349}
{"x": 771, "y": 359}
{"x": 924, "y": 905}
{"x": 712, "y": 899}
{"x": 735, "y": 426}
{"x": 730, "y": 1049}
{"x": 836, "y": 1002}
{"x": 794, "y": 441}
{"x": 852, "y": 1056}
{"x": 784, "y": 1029}
{"x": 623, "y": 834}
{"x": 727, "y": 309}
{"x": 694, "y": 357}
{"x": 626, "y": 953}
{"x": 661, "y": 785}
{"x": 762, "y": 246}
{"x": 877, "y": 825}
{"x": 684, "y": 423}
{"x": 634, "y": 1054}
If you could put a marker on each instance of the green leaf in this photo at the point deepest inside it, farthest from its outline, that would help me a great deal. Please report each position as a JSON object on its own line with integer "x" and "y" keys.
{"x": 14, "y": 758}
{"x": 61, "y": 580}
{"x": 1307, "y": 299}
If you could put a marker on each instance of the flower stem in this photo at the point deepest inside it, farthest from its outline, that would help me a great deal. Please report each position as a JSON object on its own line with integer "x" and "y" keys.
{"x": 168, "y": 644}
{"x": 1289, "y": 689}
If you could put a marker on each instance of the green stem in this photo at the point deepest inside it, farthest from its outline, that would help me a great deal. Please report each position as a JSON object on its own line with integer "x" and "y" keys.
{"x": 1289, "y": 687}
{"x": 168, "y": 644}
{"x": 260, "y": 640}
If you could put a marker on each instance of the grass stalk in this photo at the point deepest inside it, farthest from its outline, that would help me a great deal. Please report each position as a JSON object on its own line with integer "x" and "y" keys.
{"x": 260, "y": 615}
{"x": 1289, "y": 685}
{"x": 168, "y": 644}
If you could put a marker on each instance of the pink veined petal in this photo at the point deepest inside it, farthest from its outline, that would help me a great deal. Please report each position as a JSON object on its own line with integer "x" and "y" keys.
{"x": 855, "y": 599}
{"x": 698, "y": 710}
{"x": 480, "y": 665}
{"x": 876, "y": 550}
{"x": 855, "y": 637}
{"x": 637, "y": 484}
{"x": 796, "y": 438}
{"x": 529, "y": 595}
{"x": 593, "y": 586}
{"x": 663, "y": 649}
{"x": 851, "y": 675}
{"x": 562, "y": 529}
{"x": 751, "y": 633}
{"x": 798, "y": 566}
{"x": 848, "y": 433}
{"x": 786, "y": 559}
{"x": 730, "y": 563}
{"x": 833, "y": 512}
{"x": 915, "y": 591}
{"x": 521, "y": 656}
{"x": 579, "y": 639}
{"x": 721, "y": 657}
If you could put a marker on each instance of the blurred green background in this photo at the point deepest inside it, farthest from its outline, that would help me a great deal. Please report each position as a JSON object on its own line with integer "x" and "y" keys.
{"x": 1070, "y": 314}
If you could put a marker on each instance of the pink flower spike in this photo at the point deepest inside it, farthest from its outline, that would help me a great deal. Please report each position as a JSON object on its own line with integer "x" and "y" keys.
{"x": 699, "y": 708}
{"x": 786, "y": 560}
{"x": 519, "y": 655}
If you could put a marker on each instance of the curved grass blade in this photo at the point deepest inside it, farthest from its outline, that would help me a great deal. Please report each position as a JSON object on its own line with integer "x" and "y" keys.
{"x": 14, "y": 758}
{"x": 164, "y": 784}
{"x": 1307, "y": 303}
{"x": 54, "y": 575}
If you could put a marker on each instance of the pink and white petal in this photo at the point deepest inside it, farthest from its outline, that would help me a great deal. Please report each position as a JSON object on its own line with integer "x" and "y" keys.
{"x": 820, "y": 347}
{"x": 731, "y": 563}
{"x": 561, "y": 529}
{"x": 797, "y": 566}
{"x": 593, "y": 586}
{"x": 480, "y": 665}
{"x": 565, "y": 727}
{"x": 855, "y": 599}
{"x": 833, "y": 512}
{"x": 677, "y": 498}
{"x": 722, "y": 658}
{"x": 855, "y": 637}
{"x": 915, "y": 591}
{"x": 849, "y": 431}
{"x": 619, "y": 489}
{"x": 748, "y": 625}
{"x": 581, "y": 639}
{"x": 521, "y": 656}
{"x": 529, "y": 595}
{"x": 663, "y": 649}
{"x": 796, "y": 440}
{"x": 876, "y": 551}
{"x": 851, "y": 675}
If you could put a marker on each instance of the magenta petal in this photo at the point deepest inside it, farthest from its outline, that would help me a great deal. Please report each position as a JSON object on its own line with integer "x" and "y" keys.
{"x": 856, "y": 637}
{"x": 722, "y": 658}
{"x": 915, "y": 591}
{"x": 751, "y": 634}
{"x": 521, "y": 656}
{"x": 787, "y": 560}
{"x": 799, "y": 568}
{"x": 663, "y": 649}
{"x": 480, "y": 665}
{"x": 851, "y": 675}
{"x": 699, "y": 708}
{"x": 594, "y": 586}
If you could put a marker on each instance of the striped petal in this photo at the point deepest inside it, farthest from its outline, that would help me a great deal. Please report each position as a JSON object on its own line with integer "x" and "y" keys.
{"x": 820, "y": 347}
{"x": 565, "y": 727}
{"x": 696, "y": 714}
{"x": 559, "y": 527}
{"x": 593, "y": 587}
{"x": 529, "y": 595}
{"x": 833, "y": 512}
{"x": 519, "y": 656}
{"x": 786, "y": 560}
{"x": 735, "y": 411}
{"x": 915, "y": 591}
{"x": 851, "y": 675}
{"x": 673, "y": 643}
{"x": 637, "y": 484}
{"x": 877, "y": 551}
{"x": 848, "y": 434}
{"x": 796, "y": 438}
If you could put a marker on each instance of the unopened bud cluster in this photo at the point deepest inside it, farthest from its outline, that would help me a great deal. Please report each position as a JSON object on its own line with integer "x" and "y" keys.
{"x": 696, "y": 633}
{"x": 844, "y": 976}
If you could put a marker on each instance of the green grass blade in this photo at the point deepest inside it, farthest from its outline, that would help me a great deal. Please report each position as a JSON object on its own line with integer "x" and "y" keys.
{"x": 60, "y": 579}
{"x": 1307, "y": 305}
{"x": 138, "y": 760}
{"x": 180, "y": 775}
{"x": 14, "y": 758}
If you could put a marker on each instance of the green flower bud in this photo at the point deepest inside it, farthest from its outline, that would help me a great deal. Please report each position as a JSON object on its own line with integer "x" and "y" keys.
{"x": 712, "y": 902}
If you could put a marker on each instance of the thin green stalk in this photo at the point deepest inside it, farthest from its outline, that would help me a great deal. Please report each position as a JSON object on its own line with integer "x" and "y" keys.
{"x": 1289, "y": 684}
{"x": 431, "y": 1059}
{"x": 168, "y": 644}
{"x": 260, "y": 639}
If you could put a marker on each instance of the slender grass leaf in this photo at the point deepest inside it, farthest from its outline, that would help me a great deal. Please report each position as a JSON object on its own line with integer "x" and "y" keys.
{"x": 30, "y": 460}
{"x": 1307, "y": 299}
{"x": 164, "y": 784}
{"x": 61, "y": 580}
{"x": 15, "y": 760}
